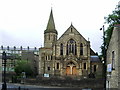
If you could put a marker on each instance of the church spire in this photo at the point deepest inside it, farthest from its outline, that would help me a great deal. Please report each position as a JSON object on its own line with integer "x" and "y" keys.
{"x": 51, "y": 24}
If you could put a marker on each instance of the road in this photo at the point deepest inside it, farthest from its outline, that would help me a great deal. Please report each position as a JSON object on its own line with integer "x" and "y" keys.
{"x": 34, "y": 87}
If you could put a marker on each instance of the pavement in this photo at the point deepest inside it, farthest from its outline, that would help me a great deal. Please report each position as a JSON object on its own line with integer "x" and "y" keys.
{"x": 17, "y": 86}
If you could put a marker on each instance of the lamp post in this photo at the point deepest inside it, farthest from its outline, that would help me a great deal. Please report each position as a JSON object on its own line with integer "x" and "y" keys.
{"x": 104, "y": 56}
{"x": 4, "y": 57}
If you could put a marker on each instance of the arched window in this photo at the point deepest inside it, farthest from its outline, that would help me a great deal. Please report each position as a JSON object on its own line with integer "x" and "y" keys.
{"x": 81, "y": 49}
{"x": 71, "y": 47}
{"x": 61, "y": 49}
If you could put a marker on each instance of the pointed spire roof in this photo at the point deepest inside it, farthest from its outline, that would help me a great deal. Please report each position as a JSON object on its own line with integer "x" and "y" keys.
{"x": 51, "y": 24}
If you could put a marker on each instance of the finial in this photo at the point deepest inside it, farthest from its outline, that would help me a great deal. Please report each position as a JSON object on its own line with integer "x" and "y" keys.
{"x": 71, "y": 23}
{"x": 51, "y": 6}
{"x": 88, "y": 39}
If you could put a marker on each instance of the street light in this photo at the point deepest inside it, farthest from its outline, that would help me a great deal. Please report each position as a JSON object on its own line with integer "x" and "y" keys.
{"x": 4, "y": 57}
{"x": 104, "y": 56}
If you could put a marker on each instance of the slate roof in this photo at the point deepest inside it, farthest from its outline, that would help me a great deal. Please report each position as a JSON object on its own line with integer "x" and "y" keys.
{"x": 94, "y": 59}
{"x": 51, "y": 25}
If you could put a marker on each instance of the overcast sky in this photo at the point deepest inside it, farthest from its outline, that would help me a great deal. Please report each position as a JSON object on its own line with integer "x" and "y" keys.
{"x": 22, "y": 22}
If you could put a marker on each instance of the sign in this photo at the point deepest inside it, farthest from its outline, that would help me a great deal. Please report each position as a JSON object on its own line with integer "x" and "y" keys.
{"x": 109, "y": 68}
{"x": 24, "y": 75}
{"x": 46, "y": 75}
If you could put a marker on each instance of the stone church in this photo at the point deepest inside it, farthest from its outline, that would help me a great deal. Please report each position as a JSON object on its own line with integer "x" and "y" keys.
{"x": 67, "y": 56}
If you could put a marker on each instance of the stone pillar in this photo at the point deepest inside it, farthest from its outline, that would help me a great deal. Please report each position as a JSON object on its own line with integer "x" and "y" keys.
{"x": 64, "y": 50}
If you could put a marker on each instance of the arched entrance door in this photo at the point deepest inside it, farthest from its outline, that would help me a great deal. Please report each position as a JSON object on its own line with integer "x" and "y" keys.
{"x": 71, "y": 69}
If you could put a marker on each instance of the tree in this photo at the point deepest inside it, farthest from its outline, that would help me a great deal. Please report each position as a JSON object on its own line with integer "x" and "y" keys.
{"x": 23, "y": 66}
{"x": 111, "y": 19}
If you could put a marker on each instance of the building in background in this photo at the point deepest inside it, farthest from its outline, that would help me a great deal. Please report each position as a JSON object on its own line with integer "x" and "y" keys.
{"x": 113, "y": 60}
{"x": 0, "y": 68}
{"x": 14, "y": 54}
{"x": 31, "y": 58}
{"x": 67, "y": 56}
{"x": 96, "y": 66}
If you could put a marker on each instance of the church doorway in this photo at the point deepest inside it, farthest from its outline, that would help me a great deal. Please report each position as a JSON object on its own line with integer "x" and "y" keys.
{"x": 71, "y": 69}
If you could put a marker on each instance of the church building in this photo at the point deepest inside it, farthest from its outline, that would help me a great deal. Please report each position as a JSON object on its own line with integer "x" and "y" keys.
{"x": 67, "y": 56}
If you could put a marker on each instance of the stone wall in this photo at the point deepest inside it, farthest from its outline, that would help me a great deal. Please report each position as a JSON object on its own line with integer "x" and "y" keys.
{"x": 113, "y": 47}
{"x": 68, "y": 82}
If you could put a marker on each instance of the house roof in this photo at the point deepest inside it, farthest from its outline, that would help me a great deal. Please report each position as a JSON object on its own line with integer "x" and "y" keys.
{"x": 94, "y": 59}
{"x": 92, "y": 52}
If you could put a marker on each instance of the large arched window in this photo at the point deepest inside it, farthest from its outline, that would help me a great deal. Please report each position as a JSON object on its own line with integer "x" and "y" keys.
{"x": 81, "y": 49}
{"x": 71, "y": 47}
{"x": 61, "y": 49}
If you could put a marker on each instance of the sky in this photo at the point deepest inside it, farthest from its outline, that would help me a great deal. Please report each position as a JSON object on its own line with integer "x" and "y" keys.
{"x": 22, "y": 22}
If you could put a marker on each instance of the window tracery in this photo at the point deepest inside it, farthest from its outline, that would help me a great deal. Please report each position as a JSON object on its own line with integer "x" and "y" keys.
{"x": 71, "y": 47}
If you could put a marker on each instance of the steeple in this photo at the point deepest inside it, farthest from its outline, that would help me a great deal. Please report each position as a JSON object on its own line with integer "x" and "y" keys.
{"x": 50, "y": 34}
{"x": 51, "y": 24}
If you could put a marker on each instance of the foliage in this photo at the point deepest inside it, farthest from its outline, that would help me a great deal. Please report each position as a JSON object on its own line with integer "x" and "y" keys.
{"x": 23, "y": 66}
{"x": 111, "y": 19}
{"x": 15, "y": 56}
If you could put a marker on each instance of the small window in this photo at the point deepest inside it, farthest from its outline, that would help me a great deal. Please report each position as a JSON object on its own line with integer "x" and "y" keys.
{"x": 46, "y": 57}
{"x": 51, "y": 57}
{"x": 53, "y": 37}
{"x": 75, "y": 49}
{"x": 113, "y": 60}
{"x": 67, "y": 50}
{"x": 81, "y": 49}
{"x": 71, "y": 30}
{"x": 49, "y": 36}
{"x": 57, "y": 65}
{"x": 48, "y": 68}
{"x": 61, "y": 49}
{"x": 84, "y": 65}
{"x": 95, "y": 68}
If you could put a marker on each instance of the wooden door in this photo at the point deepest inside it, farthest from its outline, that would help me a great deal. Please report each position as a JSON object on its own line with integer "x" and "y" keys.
{"x": 68, "y": 70}
{"x": 74, "y": 71}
